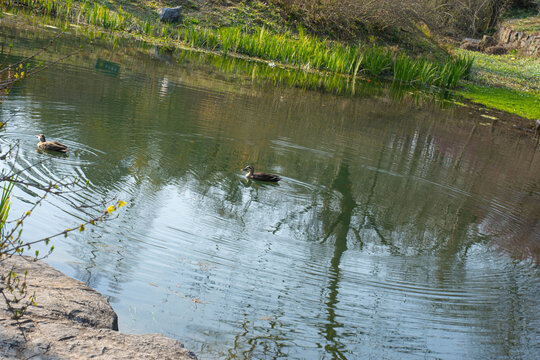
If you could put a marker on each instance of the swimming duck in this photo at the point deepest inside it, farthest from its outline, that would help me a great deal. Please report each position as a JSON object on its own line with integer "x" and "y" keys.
{"x": 262, "y": 176}
{"x": 50, "y": 145}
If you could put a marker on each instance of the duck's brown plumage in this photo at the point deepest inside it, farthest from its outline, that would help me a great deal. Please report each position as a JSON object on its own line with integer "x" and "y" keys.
{"x": 262, "y": 176}
{"x": 50, "y": 145}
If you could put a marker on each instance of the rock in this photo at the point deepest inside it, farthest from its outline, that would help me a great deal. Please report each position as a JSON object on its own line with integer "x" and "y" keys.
{"x": 488, "y": 41}
{"x": 496, "y": 50}
{"x": 72, "y": 321}
{"x": 477, "y": 41}
{"x": 528, "y": 43}
{"x": 472, "y": 46}
{"x": 479, "y": 45}
{"x": 170, "y": 14}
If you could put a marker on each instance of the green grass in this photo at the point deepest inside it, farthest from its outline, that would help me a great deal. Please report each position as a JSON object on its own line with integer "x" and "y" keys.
{"x": 512, "y": 71}
{"x": 529, "y": 24}
{"x": 506, "y": 82}
{"x": 512, "y": 101}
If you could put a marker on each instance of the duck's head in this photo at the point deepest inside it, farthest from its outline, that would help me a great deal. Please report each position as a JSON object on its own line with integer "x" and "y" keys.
{"x": 249, "y": 168}
{"x": 41, "y": 137}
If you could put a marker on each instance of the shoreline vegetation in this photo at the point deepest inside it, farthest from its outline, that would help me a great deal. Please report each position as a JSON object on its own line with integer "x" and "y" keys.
{"x": 298, "y": 50}
{"x": 462, "y": 72}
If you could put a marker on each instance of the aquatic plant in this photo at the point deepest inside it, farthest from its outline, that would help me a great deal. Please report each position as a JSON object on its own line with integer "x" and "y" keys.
{"x": 377, "y": 60}
{"x": 426, "y": 73}
{"x": 451, "y": 72}
{"x": 164, "y": 32}
{"x": 405, "y": 70}
{"x": 313, "y": 53}
{"x": 147, "y": 28}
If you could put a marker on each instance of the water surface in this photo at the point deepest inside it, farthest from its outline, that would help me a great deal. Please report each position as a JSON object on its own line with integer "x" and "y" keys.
{"x": 401, "y": 228}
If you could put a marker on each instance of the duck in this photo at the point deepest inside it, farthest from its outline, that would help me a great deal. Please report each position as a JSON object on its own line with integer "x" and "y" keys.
{"x": 262, "y": 176}
{"x": 50, "y": 145}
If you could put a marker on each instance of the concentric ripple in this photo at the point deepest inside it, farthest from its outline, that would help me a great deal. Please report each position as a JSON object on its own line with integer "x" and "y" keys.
{"x": 396, "y": 233}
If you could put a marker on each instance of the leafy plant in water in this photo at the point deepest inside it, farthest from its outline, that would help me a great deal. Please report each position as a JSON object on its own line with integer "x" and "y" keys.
{"x": 377, "y": 60}
{"x": 68, "y": 7}
{"x": 405, "y": 70}
{"x": 165, "y": 31}
{"x": 49, "y": 7}
{"x": 147, "y": 28}
{"x": 426, "y": 72}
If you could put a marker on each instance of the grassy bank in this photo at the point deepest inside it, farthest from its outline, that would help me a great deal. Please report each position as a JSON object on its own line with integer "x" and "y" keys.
{"x": 256, "y": 30}
{"x": 288, "y": 48}
{"x": 508, "y": 82}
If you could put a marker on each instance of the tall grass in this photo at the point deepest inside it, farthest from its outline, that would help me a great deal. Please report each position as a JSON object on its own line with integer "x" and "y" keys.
{"x": 313, "y": 53}
{"x": 100, "y": 15}
{"x": 451, "y": 72}
{"x": 302, "y": 50}
{"x": 93, "y": 13}
{"x": 377, "y": 61}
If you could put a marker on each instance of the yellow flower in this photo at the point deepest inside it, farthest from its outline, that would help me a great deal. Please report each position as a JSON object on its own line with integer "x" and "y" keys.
{"x": 121, "y": 203}
{"x": 110, "y": 209}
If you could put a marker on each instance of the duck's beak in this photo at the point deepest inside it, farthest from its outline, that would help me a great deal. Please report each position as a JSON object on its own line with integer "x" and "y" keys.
{"x": 245, "y": 169}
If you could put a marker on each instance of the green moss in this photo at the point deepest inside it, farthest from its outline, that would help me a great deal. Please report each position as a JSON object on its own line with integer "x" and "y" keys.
{"x": 512, "y": 101}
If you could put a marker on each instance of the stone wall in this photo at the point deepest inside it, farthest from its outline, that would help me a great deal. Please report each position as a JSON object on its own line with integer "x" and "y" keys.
{"x": 530, "y": 43}
{"x": 72, "y": 321}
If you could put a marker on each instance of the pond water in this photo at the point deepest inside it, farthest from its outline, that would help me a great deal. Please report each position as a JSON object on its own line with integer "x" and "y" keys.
{"x": 402, "y": 229}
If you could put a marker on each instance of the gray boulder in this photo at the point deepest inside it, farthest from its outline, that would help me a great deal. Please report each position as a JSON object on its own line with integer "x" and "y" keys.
{"x": 72, "y": 321}
{"x": 170, "y": 14}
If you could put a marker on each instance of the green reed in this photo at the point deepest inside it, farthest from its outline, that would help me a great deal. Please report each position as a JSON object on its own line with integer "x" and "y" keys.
{"x": 377, "y": 61}
{"x": 94, "y": 14}
{"x": 312, "y": 53}
{"x": 164, "y": 32}
{"x": 452, "y": 71}
{"x": 425, "y": 73}
{"x": 100, "y": 15}
{"x": 147, "y": 28}
{"x": 405, "y": 70}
